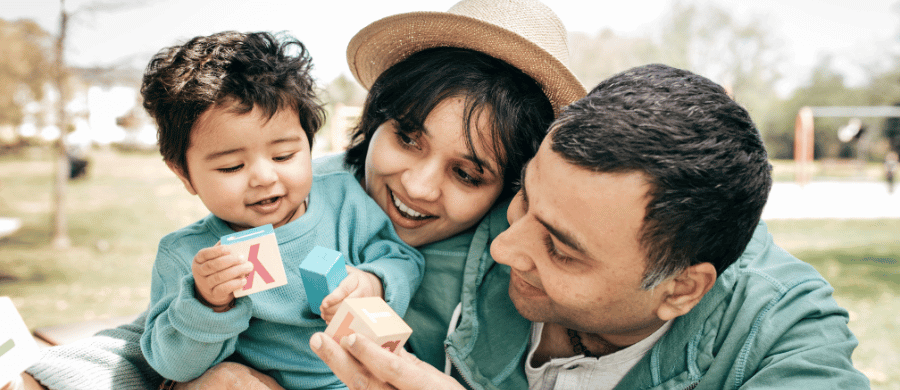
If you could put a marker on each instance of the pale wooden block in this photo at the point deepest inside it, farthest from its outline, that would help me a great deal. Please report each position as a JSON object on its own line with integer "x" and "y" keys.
{"x": 18, "y": 350}
{"x": 373, "y": 318}
{"x": 260, "y": 246}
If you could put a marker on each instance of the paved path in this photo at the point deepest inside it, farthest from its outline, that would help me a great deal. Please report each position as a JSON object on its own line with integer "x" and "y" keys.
{"x": 847, "y": 200}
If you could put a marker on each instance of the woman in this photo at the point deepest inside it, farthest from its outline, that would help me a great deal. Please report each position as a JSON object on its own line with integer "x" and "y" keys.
{"x": 443, "y": 137}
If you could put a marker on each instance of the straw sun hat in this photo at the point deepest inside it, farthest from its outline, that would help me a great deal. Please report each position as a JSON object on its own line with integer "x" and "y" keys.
{"x": 524, "y": 33}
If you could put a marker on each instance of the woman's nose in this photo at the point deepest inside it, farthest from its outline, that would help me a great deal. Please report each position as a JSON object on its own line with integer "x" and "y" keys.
{"x": 423, "y": 181}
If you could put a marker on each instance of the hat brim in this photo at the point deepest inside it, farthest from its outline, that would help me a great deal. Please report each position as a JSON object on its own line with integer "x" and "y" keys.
{"x": 388, "y": 41}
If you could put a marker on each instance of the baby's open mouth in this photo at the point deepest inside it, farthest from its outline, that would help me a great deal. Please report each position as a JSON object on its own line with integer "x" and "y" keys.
{"x": 267, "y": 201}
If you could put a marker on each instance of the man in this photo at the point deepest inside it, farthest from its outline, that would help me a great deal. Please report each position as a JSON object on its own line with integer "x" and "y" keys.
{"x": 653, "y": 257}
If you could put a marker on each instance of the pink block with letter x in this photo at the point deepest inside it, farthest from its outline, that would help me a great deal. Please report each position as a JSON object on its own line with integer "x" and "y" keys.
{"x": 260, "y": 247}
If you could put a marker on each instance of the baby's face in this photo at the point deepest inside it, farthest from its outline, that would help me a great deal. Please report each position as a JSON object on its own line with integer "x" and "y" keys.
{"x": 247, "y": 170}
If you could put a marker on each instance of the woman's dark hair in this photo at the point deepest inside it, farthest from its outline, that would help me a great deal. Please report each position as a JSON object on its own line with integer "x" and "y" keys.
{"x": 520, "y": 112}
{"x": 253, "y": 69}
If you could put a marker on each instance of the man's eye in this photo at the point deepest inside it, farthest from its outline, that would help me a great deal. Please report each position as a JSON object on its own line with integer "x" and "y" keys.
{"x": 554, "y": 254}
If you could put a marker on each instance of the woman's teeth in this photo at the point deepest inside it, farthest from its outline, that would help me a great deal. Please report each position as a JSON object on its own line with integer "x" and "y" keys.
{"x": 406, "y": 210}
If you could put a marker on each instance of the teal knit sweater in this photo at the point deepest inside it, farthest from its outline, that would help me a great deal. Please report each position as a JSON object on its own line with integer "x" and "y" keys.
{"x": 270, "y": 330}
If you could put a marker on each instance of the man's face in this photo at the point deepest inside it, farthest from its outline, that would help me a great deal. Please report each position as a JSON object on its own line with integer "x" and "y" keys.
{"x": 573, "y": 248}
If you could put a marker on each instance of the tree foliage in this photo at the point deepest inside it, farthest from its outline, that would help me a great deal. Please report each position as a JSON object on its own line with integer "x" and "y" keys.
{"x": 741, "y": 55}
{"x": 24, "y": 67}
{"x": 744, "y": 56}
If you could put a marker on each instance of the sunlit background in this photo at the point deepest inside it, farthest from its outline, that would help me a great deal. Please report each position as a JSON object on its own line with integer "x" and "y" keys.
{"x": 87, "y": 258}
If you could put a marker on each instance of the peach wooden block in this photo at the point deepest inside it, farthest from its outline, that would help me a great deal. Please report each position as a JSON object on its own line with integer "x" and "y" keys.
{"x": 373, "y": 318}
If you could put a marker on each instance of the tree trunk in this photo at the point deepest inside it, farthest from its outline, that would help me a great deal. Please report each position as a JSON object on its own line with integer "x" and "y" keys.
{"x": 60, "y": 224}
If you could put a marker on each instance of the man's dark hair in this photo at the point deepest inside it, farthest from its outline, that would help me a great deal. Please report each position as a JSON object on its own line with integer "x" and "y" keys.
{"x": 519, "y": 111}
{"x": 244, "y": 69}
{"x": 702, "y": 155}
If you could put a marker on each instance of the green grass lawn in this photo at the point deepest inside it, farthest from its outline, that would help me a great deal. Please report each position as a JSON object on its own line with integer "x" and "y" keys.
{"x": 117, "y": 216}
{"x": 861, "y": 259}
{"x": 129, "y": 201}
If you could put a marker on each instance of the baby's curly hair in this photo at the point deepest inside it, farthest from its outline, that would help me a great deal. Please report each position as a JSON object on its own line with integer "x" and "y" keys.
{"x": 245, "y": 70}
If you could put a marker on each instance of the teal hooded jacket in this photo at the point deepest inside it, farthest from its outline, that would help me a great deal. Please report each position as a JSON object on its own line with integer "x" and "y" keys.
{"x": 770, "y": 321}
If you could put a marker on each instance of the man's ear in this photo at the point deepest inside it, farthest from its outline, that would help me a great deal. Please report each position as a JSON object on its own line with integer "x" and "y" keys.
{"x": 182, "y": 176}
{"x": 686, "y": 290}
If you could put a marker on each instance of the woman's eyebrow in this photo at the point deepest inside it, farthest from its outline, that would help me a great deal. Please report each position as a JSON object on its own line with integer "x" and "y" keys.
{"x": 481, "y": 164}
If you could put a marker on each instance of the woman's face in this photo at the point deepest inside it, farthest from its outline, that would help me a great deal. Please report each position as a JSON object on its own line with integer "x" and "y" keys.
{"x": 427, "y": 180}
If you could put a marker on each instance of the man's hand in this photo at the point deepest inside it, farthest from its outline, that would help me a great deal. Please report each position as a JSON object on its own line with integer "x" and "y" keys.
{"x": 363, "y": 365}
{"x": 231, "y": 376}
{"x": 357, "y": 284}
{"x": 217, "y": 274}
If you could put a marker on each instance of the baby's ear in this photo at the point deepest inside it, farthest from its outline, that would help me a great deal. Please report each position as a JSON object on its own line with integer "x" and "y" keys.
{"x": 182, "y": 176}
{"x": 686, "y": 290}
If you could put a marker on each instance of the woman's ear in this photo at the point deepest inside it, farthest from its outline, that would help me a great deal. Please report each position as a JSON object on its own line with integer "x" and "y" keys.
{"x": 182, "y": 176}
{"x": 686, "y": 290}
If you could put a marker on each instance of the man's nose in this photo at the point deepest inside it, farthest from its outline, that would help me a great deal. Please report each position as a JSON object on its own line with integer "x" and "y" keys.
{"x": 516, "y": 246}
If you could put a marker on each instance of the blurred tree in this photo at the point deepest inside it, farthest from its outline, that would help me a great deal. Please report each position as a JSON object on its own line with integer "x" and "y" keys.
{"x": 61, "y": 75}
{"x": 595, "y": 58}
{"x": 24, "y": 69}
{"x": 743, "y": 56}
{"x": 826, "y": 87}
{"x": 344, "y": 90}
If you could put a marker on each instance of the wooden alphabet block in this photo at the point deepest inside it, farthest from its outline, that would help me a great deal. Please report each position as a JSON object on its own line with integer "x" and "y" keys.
{"x": 18, "y": 350}
{"x": 322, "y": 271}
{"x": 260, "y": 246}
{"x": 373, "y": 318}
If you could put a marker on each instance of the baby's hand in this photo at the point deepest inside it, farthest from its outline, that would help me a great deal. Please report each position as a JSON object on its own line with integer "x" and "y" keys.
{"x": 217, "y": 274}
{"x": 356, "y": 284}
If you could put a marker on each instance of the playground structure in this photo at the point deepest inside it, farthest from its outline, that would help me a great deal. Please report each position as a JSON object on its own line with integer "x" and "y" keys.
{"x": 804, "y": 131}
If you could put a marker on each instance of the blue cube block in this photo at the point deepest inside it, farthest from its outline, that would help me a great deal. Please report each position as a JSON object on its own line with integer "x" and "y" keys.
{"x": 322, "y": 271}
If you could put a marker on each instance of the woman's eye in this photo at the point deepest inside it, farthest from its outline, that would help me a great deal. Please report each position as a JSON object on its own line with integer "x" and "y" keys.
{"x": 231, "y": 169}
{"x": 467, "y": 178}
{"x": 405, "y": 139}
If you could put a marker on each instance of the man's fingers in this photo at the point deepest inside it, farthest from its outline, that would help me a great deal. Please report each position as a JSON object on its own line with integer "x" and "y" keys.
{"x": 344, "y": 365}
{"x": 402, "y": 372}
